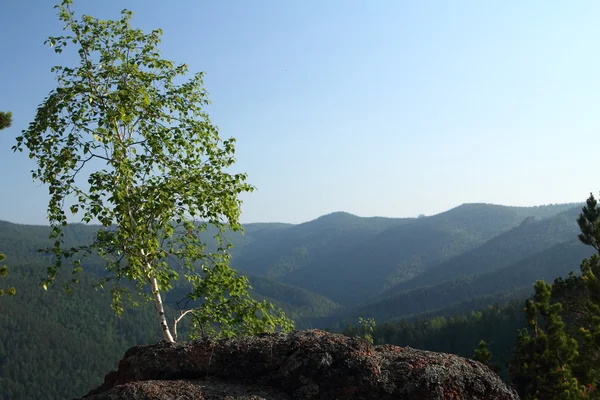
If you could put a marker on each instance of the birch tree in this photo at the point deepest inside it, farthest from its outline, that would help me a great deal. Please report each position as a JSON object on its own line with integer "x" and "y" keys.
{"x": 120, "y": 143}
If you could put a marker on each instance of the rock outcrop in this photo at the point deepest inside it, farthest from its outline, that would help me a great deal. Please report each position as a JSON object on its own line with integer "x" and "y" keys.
{"x": 308, "y": 364}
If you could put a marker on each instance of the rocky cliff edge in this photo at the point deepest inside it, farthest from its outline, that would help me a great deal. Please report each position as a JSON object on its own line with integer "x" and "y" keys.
{"x": 310, "y": 364}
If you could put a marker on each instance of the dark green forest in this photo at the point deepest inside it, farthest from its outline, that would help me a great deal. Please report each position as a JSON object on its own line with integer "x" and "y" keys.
{"x": 472, "y": 288}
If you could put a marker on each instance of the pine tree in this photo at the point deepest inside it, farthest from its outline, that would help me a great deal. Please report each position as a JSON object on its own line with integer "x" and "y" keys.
{"x": 589, "y": 223}
{"x": 589, "y": 326}
{"x": 587, "y": 290}
{"x": 545, "y": 353}
{"x": 484, "y": 356}
{"x": 561, "y": 358}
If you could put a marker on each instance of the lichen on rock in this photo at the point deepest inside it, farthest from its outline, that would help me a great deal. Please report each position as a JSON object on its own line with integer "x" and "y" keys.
{"x": 309, "y": 364}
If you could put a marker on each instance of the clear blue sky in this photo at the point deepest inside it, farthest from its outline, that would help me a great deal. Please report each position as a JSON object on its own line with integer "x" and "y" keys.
{"x": 391, "y": 108}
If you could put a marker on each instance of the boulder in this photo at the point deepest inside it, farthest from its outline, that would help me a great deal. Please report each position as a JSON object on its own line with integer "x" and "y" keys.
{"x": 309, "y": 364}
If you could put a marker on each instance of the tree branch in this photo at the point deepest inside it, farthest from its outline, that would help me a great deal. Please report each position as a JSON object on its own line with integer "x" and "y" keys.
{"x": 176, "y": 321}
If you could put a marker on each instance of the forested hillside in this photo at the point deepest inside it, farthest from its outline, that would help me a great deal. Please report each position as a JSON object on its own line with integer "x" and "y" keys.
{"x": 531, "y": 236}
{"x": 23, "y": 242}
{"x": 466, "y": 259}
{"x": 559, "y": 260}
{"x": 321, "y": 241}
{"x": 457, "y": 332}
{"x": 351, "y": 259}
{"x": 58, "y": 346}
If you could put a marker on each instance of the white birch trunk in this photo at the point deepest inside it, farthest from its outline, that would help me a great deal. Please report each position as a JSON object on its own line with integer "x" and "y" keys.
{"x": 161, "y": 311}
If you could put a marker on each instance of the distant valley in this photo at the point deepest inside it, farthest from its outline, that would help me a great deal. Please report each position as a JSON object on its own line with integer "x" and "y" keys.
{"x": 355, "y": 261}
{"x": 324, "y": 273}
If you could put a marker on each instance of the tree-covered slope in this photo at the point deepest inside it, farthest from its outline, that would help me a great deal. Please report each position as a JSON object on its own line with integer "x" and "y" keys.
{"x": 405, "y": 250}
{"x": 299, "y": 304}
{"x": 323, "y": 240}
{"x": 57, "y": 346}
{"x": 458, "y": 333}
{"x": 345, "y": 255}
{"x": 531, "y": 236}
{"x": 548, "y": 264}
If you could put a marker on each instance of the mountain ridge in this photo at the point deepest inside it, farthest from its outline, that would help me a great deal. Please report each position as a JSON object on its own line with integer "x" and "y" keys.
{"x": 508, "y": 247}
{"x": 347, "y": 257}
{"x": 259, "y": 222}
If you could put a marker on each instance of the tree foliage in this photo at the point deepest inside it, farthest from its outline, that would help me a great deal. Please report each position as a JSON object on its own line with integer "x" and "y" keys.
{"x": 484, "y": 356}
{"x": 5, "y": 122}
{"x": 557, "y": 359}
{"x": 5, "y": 119}
{"x": 120, "y": 142}
{"x": 4, "y": 272}
{"x": 545, "y": 354}
{"x": 366, "y": 328}
{"x": 235, "y": 314}
{"x": 589, "y": 223}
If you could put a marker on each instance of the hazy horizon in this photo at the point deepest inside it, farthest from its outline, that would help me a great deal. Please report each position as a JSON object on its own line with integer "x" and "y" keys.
{"x": 574, "y": 204}
{"x": 387, "y": 109}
